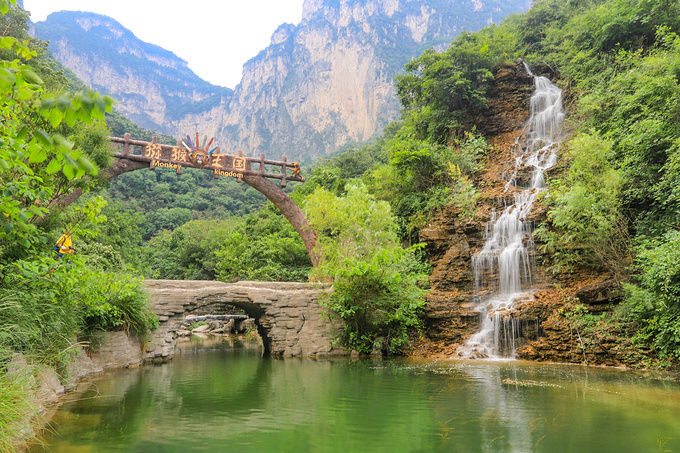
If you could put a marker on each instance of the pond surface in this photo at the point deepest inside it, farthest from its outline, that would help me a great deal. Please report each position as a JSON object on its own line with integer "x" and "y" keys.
{"x": 226, "y": 398}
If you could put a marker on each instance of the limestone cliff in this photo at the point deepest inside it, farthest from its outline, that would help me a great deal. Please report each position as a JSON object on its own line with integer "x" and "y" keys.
{"x": 148, "y": 81}
{"x": 318, "y": 85}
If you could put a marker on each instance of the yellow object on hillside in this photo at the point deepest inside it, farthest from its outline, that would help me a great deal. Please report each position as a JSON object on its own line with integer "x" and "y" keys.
{"x": 64, "y": 245}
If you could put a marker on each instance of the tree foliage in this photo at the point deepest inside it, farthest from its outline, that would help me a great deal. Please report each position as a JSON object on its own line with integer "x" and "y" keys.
{"x": 263, "y": 246}
{"x": 52, "y": 142}
{"x": 422, "y": 177}
{"x": 586, "y": 212}
{"x": 655, "y": 296}
{"x": 441, "y": 91}
{"x": 32, "y": 154}
{"x": 375, "y": 281}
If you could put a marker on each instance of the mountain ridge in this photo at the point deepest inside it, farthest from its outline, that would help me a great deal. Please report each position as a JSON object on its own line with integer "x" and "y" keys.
{"x": 318, "y": 85}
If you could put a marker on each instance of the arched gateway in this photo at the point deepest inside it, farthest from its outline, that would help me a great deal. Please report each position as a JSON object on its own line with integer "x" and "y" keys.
{"x": 135, "y": 155}
{"x": 288, "y": 316}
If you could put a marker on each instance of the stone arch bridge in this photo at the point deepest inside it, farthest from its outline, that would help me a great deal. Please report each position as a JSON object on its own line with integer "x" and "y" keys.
{"x": 287, "y": 315}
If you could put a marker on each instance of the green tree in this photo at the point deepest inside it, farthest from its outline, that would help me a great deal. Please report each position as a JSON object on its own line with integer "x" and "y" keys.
{"x": 165, "y": 219}
{"x": 376, "y": 283}
{"x": 440, "y": 91}
{"x": 421, "y": 177}
{"x": 190, "y": 252}
{"x": 31, "y": 153}
{"x": 263, "y": 246}
{"x": 120, "y": 234}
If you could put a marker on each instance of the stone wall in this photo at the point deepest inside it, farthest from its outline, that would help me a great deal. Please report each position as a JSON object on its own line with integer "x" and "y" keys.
{"x": 113, "y": 350}
{"x": 287, "y": 315}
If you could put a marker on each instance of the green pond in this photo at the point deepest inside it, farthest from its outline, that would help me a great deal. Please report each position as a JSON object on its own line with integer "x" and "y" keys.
{"x": 224, "y": 397}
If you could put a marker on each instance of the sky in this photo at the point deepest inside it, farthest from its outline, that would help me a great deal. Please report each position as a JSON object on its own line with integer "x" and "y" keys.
{"x": 215, "y": 37}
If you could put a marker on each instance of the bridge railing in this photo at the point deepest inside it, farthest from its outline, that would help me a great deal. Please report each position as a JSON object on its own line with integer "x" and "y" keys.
{"x": 178, "y": 157}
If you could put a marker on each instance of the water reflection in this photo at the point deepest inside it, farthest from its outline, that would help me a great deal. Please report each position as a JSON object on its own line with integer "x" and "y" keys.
{"x": 217, "y": 399}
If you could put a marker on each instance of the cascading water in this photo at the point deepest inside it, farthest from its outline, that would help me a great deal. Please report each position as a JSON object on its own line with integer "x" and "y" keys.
{"x": 502, "y": 269}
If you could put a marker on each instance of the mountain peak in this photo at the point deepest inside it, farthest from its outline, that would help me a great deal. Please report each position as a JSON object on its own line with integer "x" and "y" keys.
{"x": 317, "y": 86}
{"x": 115, "y": 37}
{"x": 150, "y": 83}
{"x": 282, "y": 34}
{"x": 310, "y": 7}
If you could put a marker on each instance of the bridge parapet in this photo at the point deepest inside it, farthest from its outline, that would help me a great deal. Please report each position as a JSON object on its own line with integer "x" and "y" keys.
{"x": 287, "y": 315}
{"x": 153, "y": 154}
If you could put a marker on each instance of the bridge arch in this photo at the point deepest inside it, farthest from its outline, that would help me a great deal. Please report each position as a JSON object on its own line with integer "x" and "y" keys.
{"x": 136, "y": 155}
{"x": 288, "y": 316}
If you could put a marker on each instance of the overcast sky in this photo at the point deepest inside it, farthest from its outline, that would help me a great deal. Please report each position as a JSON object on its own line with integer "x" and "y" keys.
{"x": 216, "y": 37}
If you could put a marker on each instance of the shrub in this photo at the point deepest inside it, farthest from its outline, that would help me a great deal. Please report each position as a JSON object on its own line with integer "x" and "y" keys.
{"x": 113, "y": 301}
{"x": 655, "y": 297}
{"x": 585, "y": 212}
{"x": 376, "y": 283}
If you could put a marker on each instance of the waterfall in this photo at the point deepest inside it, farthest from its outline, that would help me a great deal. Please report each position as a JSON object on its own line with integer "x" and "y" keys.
{"x": 502, "y": 269}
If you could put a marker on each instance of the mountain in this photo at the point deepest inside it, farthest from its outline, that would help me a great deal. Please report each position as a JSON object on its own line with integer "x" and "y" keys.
{"x": 318, "y": 85}
{"x": 148, "y": 81}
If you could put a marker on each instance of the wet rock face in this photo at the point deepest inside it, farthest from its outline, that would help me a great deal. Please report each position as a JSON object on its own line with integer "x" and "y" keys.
{"x": 509, "y": 107}
{"x": 538, "y": 321}
{"x": 600, "y": 293}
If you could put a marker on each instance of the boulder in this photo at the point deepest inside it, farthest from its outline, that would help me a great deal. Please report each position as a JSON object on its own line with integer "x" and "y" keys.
{"x": 604, "y": 292}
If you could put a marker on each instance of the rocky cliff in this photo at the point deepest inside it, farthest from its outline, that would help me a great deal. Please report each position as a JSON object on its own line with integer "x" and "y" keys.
{"x": 319, "y": 84}
{"x": 149, "y": 82}
{"x": 544, "y": 330}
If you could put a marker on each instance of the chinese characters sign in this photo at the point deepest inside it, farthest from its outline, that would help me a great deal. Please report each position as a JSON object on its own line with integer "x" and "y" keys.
{"x": 188, "y": 153}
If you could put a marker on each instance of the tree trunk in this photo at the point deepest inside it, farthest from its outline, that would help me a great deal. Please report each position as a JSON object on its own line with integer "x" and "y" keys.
{"x": 289, "y": 209}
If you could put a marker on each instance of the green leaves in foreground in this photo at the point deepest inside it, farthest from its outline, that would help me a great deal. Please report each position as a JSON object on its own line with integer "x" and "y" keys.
{"x": 4, "y": 5}
{"x": 32, "y": 154}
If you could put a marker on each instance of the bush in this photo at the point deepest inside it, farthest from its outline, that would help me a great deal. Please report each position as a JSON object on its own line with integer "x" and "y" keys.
{"x": 46, "y": 304}
{"x": 113, "y": 301}
{"x": 376, "y": 283}
{"x": 585, "y": 213}
{"x": 655, "y": 297}
{"x": 421, "y": 177}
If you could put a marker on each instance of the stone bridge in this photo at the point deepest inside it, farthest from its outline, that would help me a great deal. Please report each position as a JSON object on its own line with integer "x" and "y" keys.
{"x": 287, "y": 315}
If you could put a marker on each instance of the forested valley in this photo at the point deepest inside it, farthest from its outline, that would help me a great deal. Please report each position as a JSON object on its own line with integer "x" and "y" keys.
{"x": 613, "y": 204}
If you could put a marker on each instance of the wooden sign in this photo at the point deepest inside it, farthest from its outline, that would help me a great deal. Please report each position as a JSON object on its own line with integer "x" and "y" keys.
{"x": 188, "y": 154}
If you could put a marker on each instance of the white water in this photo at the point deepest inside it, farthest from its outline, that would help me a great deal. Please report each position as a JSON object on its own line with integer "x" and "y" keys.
{"x": 502, "y": 269}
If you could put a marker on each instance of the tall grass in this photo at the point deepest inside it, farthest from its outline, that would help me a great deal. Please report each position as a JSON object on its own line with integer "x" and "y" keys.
{"x": 16, "y": 408}
{"x": 40, "y": 328}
